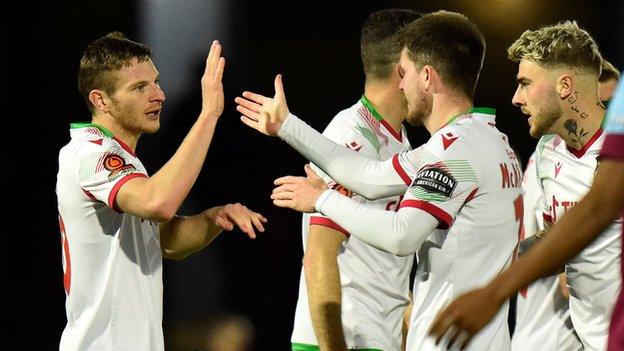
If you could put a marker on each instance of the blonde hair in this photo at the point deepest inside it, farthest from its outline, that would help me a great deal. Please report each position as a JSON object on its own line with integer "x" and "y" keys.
{"x": 561, "y": 45}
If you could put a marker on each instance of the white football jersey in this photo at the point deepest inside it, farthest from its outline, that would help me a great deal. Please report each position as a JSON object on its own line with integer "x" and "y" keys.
{"x": 542, "y": 314}
{"x": 468, "y": 177}
{"x": 565, "y": 176}
{"x": 374, "y": 283}
{"x": 112, "y": 261}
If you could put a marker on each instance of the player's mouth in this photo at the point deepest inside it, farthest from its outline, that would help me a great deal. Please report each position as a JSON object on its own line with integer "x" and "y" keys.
{"x": 154, "y": 113}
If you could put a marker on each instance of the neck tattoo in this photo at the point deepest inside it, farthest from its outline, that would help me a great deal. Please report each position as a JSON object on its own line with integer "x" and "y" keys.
{"x": 573, "y": 132}
{"x": 574, "y": 105}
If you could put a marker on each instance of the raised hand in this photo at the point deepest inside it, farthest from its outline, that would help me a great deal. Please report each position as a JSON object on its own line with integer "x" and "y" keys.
{"x": 212, "y": 86}
{"x": 463, "y": 318}
{"x": 298, "y": 193}
{"x": 231, "y": 215}
{"x": 262, "y": 113}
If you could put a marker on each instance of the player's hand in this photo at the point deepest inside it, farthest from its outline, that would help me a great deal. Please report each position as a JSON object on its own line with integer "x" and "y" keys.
{"x": 298, "y": 193}
{"x": 237, "y": 215}
{"x": 464, "y": 317}
{"x": 212, "y": 86}
{"x": 261, "y": 113}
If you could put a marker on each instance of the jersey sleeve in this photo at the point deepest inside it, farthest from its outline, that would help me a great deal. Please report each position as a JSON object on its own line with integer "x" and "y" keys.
{"x": 344, "y": 130}
{"x": 444, "y": 178}
{"x": 613, "y": 146}
{"x": 369, "y": 177}
{"x": 103, "y": 172}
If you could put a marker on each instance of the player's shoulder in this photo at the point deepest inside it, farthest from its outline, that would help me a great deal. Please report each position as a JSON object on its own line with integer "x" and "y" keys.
{"x": 351, "y": 116}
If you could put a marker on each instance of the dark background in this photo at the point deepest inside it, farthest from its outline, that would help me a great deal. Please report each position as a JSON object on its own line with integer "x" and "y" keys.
{"x": 315, "y": 44}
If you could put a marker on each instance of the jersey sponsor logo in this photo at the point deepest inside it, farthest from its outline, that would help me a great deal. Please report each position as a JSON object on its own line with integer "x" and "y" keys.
{"x": 435, "y": 180}
{"x": 116, "y": 164}
{"x": 448, "y": 139}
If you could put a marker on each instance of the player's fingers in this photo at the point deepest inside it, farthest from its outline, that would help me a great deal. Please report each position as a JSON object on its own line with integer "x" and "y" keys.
{"x": 279, "y": 89}
{"x": 310, "y": 172}
{"x": 284, "y": 203}
{"x": 224, "y": 223}
{"x": 250, "y": 105}
{"x": 248, "y": 113}
{"x": 285, "y": 179}
{"x": 440, "y": 326}
{"x": 260, "y": 99}
{"x": 282, "y": 194}
{"x": 209, "y": 58}
{"x": 213, "y": 57}
{"x": 250, "y": 122}
{"x": 453, "y": 335}
{"x": 467, "y": 337}
{"x": 256, "y": 221}
{"x": 219, "y": 69}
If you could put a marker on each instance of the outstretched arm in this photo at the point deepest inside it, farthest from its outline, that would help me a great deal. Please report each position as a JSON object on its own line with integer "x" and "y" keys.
{"x": 159, "y": 196}
{"x": 367, "y": 177}
{"x": 573, "y": 232}
{"x": 405, "y": 230}
{"x": 183, "y": 236}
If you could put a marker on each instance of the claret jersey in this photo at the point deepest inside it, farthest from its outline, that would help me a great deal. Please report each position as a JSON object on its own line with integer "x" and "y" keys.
{"x": 593, "y": 276}
{"x": 374, "y": 283}
{"x": 112, "y": 261}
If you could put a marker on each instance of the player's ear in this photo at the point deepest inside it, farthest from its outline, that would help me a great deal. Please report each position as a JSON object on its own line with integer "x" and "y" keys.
{"x": 565, "y": 86}
{"x": 100, "y": 100}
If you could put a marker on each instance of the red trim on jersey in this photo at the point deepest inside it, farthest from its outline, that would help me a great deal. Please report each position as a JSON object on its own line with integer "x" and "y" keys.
{"x": 547, "y": 218}
{"x": 112, "y": 197}
{"x": 88, "y": 193}
{"x": 444, "y": 218}
{"x": 583, "y": 150}
{"x": 398, "y": 136}
{"x": 400, "y": 171}
{"x": 124, "y": 146}
{"x": 65, "y": 244}
{"x": 471, "y": 195}
{"x": 613, "y": 147}
{"x": 326, "y": 222}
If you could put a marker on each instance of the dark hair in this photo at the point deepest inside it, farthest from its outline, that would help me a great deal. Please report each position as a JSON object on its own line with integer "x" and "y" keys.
{"x": 451, "y": 44}
{"x": 103, "y": 57}
{"x": 378, "y": 46}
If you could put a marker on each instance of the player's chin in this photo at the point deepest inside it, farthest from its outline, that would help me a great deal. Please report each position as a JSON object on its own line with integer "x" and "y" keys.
{"x": 151, "y": 127}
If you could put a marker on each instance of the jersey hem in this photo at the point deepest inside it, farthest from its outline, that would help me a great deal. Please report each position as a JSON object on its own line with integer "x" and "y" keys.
{"x": 295, "y": 346}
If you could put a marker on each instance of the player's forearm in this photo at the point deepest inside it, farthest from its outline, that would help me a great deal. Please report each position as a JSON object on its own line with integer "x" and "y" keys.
{"x": 573, "y": 232}
{"x": 183, "y": 236}
{"x": 325, "y": 299}
{"x": 367, "y": 177}
{"x": 172, "y": 183}
{"x": 404, "y": 231}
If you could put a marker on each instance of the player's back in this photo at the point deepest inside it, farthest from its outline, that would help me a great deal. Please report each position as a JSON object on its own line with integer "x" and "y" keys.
{"x": 374, "y": 283}
{"x": 482, "y": 228}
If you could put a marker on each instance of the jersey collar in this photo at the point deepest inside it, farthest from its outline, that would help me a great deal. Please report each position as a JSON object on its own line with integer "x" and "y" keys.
{"x": 105, "y": 132}
{"x": 369, "y": 105}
